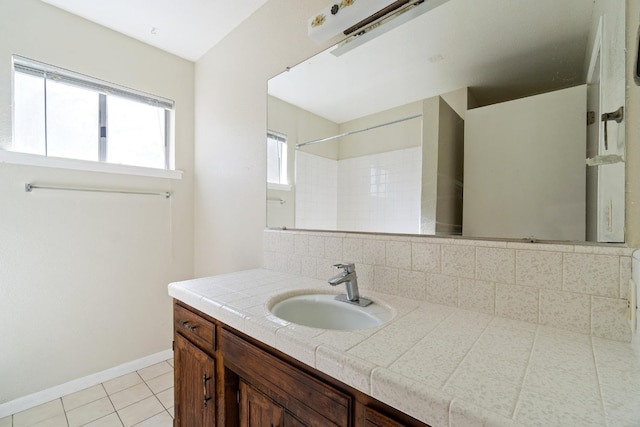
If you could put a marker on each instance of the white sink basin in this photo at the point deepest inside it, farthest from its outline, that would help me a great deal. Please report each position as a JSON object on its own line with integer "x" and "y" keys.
{"x": 323, "y": 311}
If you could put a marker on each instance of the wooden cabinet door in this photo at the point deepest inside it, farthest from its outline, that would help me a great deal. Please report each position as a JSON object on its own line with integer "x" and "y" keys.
{"x": 257, "y": 410}
{"x": 194, "y": 385}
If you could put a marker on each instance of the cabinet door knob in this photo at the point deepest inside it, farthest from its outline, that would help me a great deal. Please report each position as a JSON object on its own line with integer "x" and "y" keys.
{"x": 188, "y": 326}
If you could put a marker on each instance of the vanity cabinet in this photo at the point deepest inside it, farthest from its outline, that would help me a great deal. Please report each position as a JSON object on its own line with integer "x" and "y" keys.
{"x": 224, "y": 378}
{"x": 195, "y": 369}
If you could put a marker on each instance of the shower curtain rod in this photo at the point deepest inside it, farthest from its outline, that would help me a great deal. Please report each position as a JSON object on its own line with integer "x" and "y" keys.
{"x": 329, "y": 138}
{"x": 30, "y": 187}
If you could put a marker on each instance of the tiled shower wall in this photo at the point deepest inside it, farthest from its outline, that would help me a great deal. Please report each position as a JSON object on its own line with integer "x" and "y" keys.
{"x": 579, "y": 288}
{"x": 316, "y": 192}
{"x": 381, "y": 192}
{"x": 372, "y": 192}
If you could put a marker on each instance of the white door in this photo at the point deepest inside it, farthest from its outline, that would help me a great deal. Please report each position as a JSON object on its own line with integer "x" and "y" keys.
{"x": 593, "y": 148}
{"x": 606, "y": 94}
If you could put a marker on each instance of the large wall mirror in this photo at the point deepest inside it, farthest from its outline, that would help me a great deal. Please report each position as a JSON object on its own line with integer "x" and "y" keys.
{"x": 490, "y": 119}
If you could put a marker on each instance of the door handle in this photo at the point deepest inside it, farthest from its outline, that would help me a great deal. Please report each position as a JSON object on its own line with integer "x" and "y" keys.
{"x": 616, "y": 116}
{"x": 205, "y": 398}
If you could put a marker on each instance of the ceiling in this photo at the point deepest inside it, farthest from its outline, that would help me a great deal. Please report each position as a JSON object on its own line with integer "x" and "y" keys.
{"x": 186, "y": 28}
{"x": 502, "y": 49}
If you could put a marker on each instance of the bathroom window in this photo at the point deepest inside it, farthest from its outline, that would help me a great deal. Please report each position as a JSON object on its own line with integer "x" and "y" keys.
{"x": 59, "y": 113}
{"x": 276, "y": 158}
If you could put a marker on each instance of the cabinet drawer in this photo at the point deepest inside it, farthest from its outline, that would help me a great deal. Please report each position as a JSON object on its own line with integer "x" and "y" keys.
{"x": 305, "y": 398}
{"x": 194, "y": 327}
{"x": 373, "y": 418}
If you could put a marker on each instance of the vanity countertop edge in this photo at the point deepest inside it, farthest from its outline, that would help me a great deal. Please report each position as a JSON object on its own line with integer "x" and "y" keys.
{"x": 442, "y": 365}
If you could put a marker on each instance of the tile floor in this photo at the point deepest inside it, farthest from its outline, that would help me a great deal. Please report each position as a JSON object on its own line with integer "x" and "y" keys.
{"x": 143, "y": 399}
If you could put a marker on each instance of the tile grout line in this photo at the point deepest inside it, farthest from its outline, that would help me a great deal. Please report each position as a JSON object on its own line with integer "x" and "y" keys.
{"x": 114, "y": 406}
{"x": 600, "y": 393}
{"x": 63, "y": 410}
{"x": 448, "y": 380}
{"x": 148, "y": 418}
{"x": 153, "y": 394}
{"x": 526, "y": 373}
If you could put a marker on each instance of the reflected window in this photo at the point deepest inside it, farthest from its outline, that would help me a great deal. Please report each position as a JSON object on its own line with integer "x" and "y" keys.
{"x": 59, "y": 113}
{"x": 276, "y": 158}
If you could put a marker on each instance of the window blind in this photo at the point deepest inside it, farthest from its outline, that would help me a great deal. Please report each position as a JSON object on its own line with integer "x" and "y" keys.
{"x": 39, "y": 69}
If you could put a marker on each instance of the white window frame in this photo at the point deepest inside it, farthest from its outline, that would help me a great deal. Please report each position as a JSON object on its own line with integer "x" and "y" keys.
{"x": 32, "y": 67}
{"x": 282, "y": 162}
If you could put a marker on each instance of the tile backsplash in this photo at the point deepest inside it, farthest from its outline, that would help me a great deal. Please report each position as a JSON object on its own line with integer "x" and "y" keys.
{"x": 580, "y": 288}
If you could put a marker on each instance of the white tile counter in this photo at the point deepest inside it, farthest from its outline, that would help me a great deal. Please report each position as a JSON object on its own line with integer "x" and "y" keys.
{"x": 442, "y": 365}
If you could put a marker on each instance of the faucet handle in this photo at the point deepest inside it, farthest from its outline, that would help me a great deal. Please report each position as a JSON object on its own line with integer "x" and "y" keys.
{"x": 348, "y": 267}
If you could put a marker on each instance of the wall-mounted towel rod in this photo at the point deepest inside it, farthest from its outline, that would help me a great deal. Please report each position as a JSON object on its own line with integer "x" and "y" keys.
{"x": 281, "y": 201}
{"x": 30, "y": 187}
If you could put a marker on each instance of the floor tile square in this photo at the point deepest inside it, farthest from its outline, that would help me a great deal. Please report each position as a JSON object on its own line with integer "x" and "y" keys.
{"x": 90, "y": 412}
{"x": 154, "y": 371}
{"x": 145, "y": 398}
{"x": 161, "y": 383}
{"x": 57, "y": 421}
{"x": 147, "y": 408}
{"x": 82, "y": 397}
{"x": 38, "y": 413}
{"x": 118, "y": 384}
{"x": 111, "y": 420}
{"x": 163, "y": 419}
{"x": 130, "y": 396}
{"x": 166, "y": 397}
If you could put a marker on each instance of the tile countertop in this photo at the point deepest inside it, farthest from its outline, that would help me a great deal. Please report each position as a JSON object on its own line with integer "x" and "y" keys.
{"x": 442, "y": 365}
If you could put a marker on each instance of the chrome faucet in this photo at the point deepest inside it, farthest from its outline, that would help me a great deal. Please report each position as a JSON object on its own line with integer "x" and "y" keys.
{"x": 350, "y": 279}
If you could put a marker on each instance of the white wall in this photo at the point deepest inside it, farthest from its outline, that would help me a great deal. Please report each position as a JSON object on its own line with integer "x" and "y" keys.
{"x": 524, "y": 173}
{"x": 429, "y": 185}
{"x": 231, "y": 105}
{"x": 450, "y": 170}
{"x": 83, "y": 276}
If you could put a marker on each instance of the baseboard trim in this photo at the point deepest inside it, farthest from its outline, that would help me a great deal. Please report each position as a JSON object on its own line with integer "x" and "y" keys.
{"x": 56, "y": 392}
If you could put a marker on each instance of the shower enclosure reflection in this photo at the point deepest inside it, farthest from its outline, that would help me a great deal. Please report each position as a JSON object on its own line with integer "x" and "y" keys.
{"x": 396, "y": 171}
